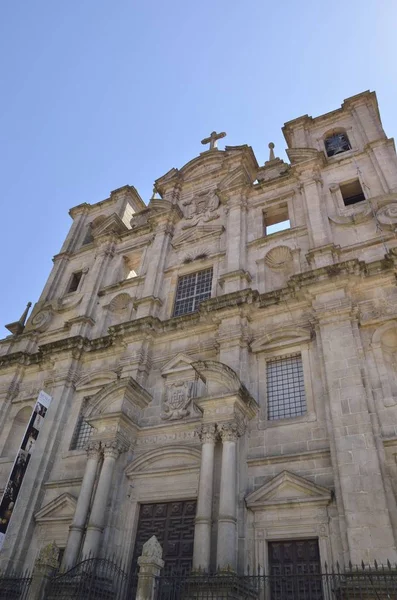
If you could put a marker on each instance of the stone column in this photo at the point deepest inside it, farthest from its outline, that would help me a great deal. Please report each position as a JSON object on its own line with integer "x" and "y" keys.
{"x": 227, "y": 520}
{"x": 203, "y": 523}
{"x": 111, "y": 451}
{"x": 76, "y": 529}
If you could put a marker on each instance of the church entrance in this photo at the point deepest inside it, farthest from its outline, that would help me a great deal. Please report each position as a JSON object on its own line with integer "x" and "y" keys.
{"x": 173, "y": 525}
{"x": 290, "y": 563}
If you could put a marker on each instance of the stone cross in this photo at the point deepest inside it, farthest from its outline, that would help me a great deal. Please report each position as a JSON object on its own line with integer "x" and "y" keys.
{"x": 213, "y": 139}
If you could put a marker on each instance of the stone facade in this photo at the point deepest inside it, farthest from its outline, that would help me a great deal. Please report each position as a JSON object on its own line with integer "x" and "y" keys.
{"x": 177, "y": 407}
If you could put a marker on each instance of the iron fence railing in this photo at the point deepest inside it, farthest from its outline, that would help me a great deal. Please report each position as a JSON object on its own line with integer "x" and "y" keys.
{"x": 359, "y": 583}
{"x": 91, "y": 579}
{"x": 14, "y": 586}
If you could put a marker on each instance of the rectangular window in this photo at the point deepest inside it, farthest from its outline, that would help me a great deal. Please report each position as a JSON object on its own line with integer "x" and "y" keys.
{"x": 352, "y": 192}
{"x": 82, "y": 434}
{"x": 276, "y": 219}
{"x": 286, "y": 396}
{"x": 75, "y": 281}
{"x": 191, "y": 290}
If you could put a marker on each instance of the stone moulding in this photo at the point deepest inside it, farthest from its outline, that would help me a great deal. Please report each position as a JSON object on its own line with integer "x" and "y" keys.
{"x": 185, "y": 459}
{"x": 282, "y": 337}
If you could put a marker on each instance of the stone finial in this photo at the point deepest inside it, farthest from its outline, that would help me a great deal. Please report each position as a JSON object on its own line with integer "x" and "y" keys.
{"x": 154, "y": 192}
{"x": 271, "y": 154}
{"x": 48, "y": 556}
{"x": 152, "y": 548}
{"x": 18, "y": 326}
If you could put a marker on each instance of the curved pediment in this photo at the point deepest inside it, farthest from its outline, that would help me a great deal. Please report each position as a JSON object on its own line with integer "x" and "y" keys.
{"x": 124, "y": 395}
{"x": 205, "y": 163}
{"x": 281, "y": 337}
{"x": 163, "y": 461}
{"x": 219, "y": 378}
{"x": 97, "y": 378}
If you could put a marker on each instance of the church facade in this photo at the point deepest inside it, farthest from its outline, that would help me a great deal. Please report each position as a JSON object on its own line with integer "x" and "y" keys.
{"x": 220, "y": 364}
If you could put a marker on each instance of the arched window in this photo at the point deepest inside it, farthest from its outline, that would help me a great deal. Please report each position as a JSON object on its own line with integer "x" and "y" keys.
{"x": 336, "y": 143}
{"x": 14, "y": 438}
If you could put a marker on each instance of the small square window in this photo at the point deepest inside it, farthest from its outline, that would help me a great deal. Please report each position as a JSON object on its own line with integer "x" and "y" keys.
{"x": 75, "y": 281}
{"x": 275, "y": 220}
{"x": 352, "y": 192}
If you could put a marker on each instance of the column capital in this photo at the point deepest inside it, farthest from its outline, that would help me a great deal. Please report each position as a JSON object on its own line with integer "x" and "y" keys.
{"x": 206, "y": 433}
{"x": 93, "y": 449}
{"x": 231, "y": 431}
{"x": 113, "y": 448}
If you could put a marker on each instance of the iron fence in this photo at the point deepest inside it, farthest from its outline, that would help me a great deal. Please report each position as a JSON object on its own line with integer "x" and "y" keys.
{"x": 91, "y": 579}
{"x": 14, "y": 586}
{"x": 358, "y": 583}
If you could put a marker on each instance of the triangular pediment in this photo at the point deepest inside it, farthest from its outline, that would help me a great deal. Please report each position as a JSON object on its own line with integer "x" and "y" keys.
{"x": 286, "y": 489}
{"x": 180, "y": 362}
{"x": 197, "y": 234}
{"x": 61, "y": 508}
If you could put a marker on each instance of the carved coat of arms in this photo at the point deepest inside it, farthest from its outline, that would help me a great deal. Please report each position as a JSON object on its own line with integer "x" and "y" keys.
{"x": 201, "y": 209}
{"x": 177, "y": 400}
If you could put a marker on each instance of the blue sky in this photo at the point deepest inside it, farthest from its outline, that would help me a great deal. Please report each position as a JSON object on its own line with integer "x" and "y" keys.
{"x": 97, "y": 94}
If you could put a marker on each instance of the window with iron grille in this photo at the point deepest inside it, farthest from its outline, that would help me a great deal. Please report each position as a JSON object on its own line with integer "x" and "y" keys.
{"x": 191, "y": 290}
{"x": 82, "y": 434}
{"x": 286, "y": 396}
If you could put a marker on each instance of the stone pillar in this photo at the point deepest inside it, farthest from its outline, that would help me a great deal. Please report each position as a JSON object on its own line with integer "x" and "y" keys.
{"x": 44, "y": 568}
{"x": 111, "y": 451}
{"x": 76, "y": 529}
{"x": 203, "y": 523}
{"x": 150, "y": 563}
{"x": 362, "y": 489}
{"x": 227, "y": 519}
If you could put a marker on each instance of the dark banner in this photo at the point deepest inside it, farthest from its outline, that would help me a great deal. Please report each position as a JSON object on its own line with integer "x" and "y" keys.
{"x": 21, "y": 462}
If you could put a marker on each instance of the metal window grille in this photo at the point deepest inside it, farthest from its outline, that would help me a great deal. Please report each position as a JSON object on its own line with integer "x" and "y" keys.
{"x": 286, "y": 396}
{"x": 81, "y": 434}
{"x": 191, "y": 290}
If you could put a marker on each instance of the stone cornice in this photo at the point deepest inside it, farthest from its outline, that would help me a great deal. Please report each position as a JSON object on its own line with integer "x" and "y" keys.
{"x": 288, "y": 458}
{"x": 340, "y": 273}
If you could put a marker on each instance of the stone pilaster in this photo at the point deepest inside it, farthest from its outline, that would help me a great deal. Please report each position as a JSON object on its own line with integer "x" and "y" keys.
{"x": 236, "y": 277}
{"x": 368, "y": 525}
{"x": 203, "y": 523}
{"x": 76, "y": 529}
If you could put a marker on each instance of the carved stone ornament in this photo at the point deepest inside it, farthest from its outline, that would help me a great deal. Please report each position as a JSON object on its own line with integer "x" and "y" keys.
{"x": 42, "y": 319}
{"x": 387, "y": 216}
{"x": 112, "y": 448}
{"x": 201, "y": 209}
{"x": 93, "y": 449}
{"x": 206, "y": 433}
{"x": 177, "y": 401}
{"x": 152, "y": 548}
{"x": 49, "y": 556}
{"x": 230, "y": 432}
{"x": 279, "y": 258}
